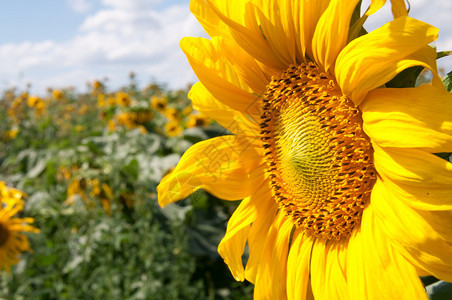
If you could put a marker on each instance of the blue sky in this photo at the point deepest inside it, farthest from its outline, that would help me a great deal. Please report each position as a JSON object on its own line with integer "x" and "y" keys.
{"x": 69, "y": 42}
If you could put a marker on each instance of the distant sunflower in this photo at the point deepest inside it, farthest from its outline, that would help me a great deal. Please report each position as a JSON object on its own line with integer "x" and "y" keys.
{"x": 173, "y": 128}
{"x": 159, "y": 103}
{"x": 197, "y": 120}
{"x": 12, "y": 240}
{"x": 342, "y": 196}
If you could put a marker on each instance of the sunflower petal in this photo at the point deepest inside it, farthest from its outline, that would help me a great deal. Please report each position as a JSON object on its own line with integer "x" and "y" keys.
{"x": 234, "y": 121}
{"x": 298, "y": 266}
{"x": 423, "y": 237}
{"x": 306, "y": 14}
{"x": 257, "y": 237}
{"x": 272, "y": 273}
{"x": 418, "y": 117}
{"x": 232, "y": 245}
{"x": 226, "y": 166}
{"x": 331, "y": 33}
{"x": 210, "y": 21}
{"x": 246, "y": 31}
{"x": 328, "y": 265}
{"x": 216, "y": 72}
{"x": 399, "y": 8}
{"x": 375, "y": 269}
{"x": 277, "y": 26}
{"x": 372, "y": 60}
{"x": 423, "y": 180}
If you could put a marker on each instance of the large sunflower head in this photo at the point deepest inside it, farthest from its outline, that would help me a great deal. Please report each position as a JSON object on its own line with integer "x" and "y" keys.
{"x": 342, "y": 195}
{"x": 12, "y": 240}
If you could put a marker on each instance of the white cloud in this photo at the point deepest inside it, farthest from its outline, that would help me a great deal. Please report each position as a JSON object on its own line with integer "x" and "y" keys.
{"x": 80, "y": 6}
{"x": 110, "y": 42}
{"x": 131, "y": 5}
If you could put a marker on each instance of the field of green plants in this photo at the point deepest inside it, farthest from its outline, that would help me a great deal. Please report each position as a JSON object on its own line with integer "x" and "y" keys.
{"x": 89, "y": 164}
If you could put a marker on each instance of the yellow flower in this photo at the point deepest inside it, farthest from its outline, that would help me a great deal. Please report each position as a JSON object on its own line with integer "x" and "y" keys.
{"x": 342, "y": 195}
{"x": 197, "y": 120}
{"x": 12, "y": 240}
{"x": 172, "y": 113}
{"x": 159, "y": 103}
{"x": 187, "y": 110}
{"x": 35, "y": 102}
{"x": 83, "y": 109}
{"x": 10, "y": 134}
{"x": 106, "y": 198}
{"x": 123, "y": 99}
{"x": 111, "y": 100}
{"x": 134, "y": 119}
{"x": 95, "y": 187}
{"x": 101, "y": 101}
{"x": 97, "y": 85}
{"x": 57, "y": 94}
{"x": 173, "y": 128}
{"x": 76, "y": 188}
{"x": 78, "y": 128}
{"x": 111, "y": 125}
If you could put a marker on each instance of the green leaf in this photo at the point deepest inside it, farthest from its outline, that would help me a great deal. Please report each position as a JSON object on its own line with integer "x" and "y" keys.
{"x": 448, "y": 81}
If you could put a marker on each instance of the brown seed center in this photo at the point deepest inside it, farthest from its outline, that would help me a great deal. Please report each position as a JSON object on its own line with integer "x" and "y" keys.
{"x": 320, "y": 161}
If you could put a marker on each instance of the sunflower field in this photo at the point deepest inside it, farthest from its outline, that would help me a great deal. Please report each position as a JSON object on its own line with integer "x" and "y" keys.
{"x": 86, "y": 166}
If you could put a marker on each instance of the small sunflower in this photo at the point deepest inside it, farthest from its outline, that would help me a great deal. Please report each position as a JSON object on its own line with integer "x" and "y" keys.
{"x": 159, "y": 103}
{"x": 173, "y": 128}
{"x": 12, "y": 240}
{"x": 197, "y": 120}
{"x": 123, "y": 99}
{"x": 342, "y": 196}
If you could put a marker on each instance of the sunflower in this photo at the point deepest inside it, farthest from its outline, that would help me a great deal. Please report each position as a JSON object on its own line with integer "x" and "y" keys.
{"x": 197, "y": 120}
{"x": 173, "y": 128}
{"x": 342, "y": 196}
{"x": 12, "y": 240}
{"x": 159, "y": 103}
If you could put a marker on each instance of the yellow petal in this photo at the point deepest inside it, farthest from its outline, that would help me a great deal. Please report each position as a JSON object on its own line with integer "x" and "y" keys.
{"x": 298, "y": 266}
{"x": 210, "y": 21}
{"x": 232, "y": 245}
{"x": 399, "y": 8}
{"x": 234, "y": 121}
{"x": 331, "y": 33}
{"x": 374, "y": 6}
{"x": 422, "y": 180}
{"x": 306, "y": 14}
{"x": 418, "y": 117}
{"x": 276, "y": 23}
{"x": 272, "y": 273}
{"x": 217, "y": 74}
{"x": 372, "y": 60}
{"x": 375, "y": 269}
{"x": 257, "y": 237}
{"x": 229, "y": 167}
{"x": 246, "y": 67}
{"x": 328, "y": 269}
{"x": 423, "y": 237}
{"x": 246, "y": 31}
